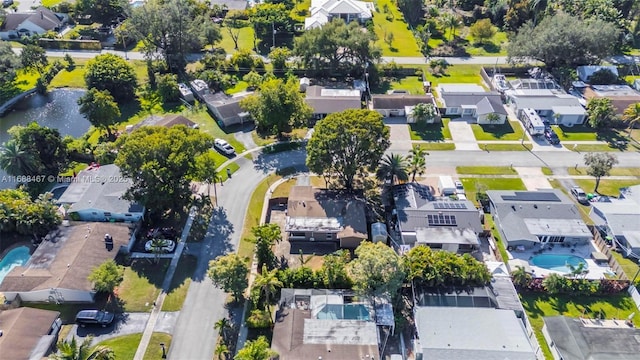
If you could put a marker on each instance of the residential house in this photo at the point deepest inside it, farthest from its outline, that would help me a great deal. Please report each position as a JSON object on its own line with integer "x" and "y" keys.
{"x": 324, "y": 11}
{"x": 325, "y": 101}
{"x": 590, "y": 339}
{"x": 58, "y": 270}
{"x": 97, "y": 194}
{"x": 528, "y": 218}
{"x": 621, "y": 96}
{"x": 585, "y": 72}
{"x": 325, "y": 216}
{"x": 556, "y": 107}
{"x": 440, "y": 223}
{"x": 37, "y": 22}
{"x": 461, "y": 333}
{"x": 28, "y": 333}
{"x": 329, "y": 325}
{"x": 619, "y": 218}
{"x": 168, "y": 121}
{"x": 226, "y": 109}
{"x": 471, "y": 101}
{"x": 391, "y": 105}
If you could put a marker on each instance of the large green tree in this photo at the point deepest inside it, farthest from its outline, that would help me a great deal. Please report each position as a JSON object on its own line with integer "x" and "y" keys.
{"x": 337, "y": 48}
{"x": 100, "y": 108}
{"x": 348, "y": 144}
{"x": 269, "y": 17}
{"x": 268, "y": 283}
{"x": 44, "y": 146}
{"x": 564, "y": 40}
{"x": 443, "y": 268}
{"x": 33, "y": 57}
{"x": 377, "y": 270}
{"x": 599, "y": 165}
{"x": 19, "y": 213}
{"x": 162, "y": 163}
{"x": 265, "y": 236}
{"x": 333, "y": 272}
{"x": 278, "y": 106}
{"x": 631, "y": 115}
{"x": 600, "y": 112}
{"x": 102, "y": 11}
{"x": 107, "y": 276}
{"x": 393, "y": 168}
{"x": 112, "y": 73}
{"x": 16, "y": 161}
{"x": 258, "y": 349}
{"x": 9, "y": 63}
{"x": 229, "y": 272}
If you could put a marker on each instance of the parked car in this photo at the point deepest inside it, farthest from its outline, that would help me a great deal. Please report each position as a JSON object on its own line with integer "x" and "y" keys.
{"x": 224, "y": 147}
{"x": 551, "y": 136}
{"x": 166, "y": 245}
{"x": 6, "y": 3}
{"x": 94, "y": 317}
{"x": 579, "y": 194}
{"x": 459, "y": 187}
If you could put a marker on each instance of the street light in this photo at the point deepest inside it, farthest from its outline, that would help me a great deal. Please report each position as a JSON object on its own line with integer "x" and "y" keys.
{"x": 164, "y": 351}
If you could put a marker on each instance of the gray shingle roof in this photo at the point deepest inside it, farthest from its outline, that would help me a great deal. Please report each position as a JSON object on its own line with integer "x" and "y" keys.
{"x": 470, "y": 98}
{"x": 42, "y": 17}
{"x": 399, "y": 101}
{"x": 490, "y": 105}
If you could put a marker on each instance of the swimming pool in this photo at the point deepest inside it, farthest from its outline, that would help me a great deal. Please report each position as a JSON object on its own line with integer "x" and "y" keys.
{"x": 16, "y": 257}
{"x": 558, "y": 263}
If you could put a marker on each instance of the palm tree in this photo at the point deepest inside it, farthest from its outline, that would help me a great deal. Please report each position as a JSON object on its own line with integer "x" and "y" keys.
{"x": 452, "y": 22}
{"x": 394, "y": 168}
{"x": 521, "y": 277}
{"x": 268, "y": 283}
{"x": 424, "y": 113}
{"x": 417, "y": 162}
{"x": 222, "y": 326}
{"x": 71, "y": 350}
{"x": 632, "y": 115}
{"x": 157, "y": 244}
{"x": 222, "y": 351}
{"x": 256, "y": 350}
{"x": 16, "y": 161}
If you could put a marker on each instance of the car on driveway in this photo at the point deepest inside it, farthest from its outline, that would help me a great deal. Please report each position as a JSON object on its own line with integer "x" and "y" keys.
{"x": 224, "y": 147}
{"x": 94, "y": 317}
{"x": 6, "y": 3}
{"x": 459, "y": 187}
{"x": 551, "y": 137}
{"x": 165, "y": 245}
{"x": 579, "y": 194}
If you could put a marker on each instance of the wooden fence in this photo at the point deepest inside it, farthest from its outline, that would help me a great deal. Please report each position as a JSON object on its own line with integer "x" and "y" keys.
{"x": 603, "y": 248}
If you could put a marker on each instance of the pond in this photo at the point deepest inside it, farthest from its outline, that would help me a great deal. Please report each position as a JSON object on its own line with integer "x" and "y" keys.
{"x": 58, "y": 109}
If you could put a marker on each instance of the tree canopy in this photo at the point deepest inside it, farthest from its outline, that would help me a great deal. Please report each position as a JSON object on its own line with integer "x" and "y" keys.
{"x": 19, "y": 213}
{"x": 600, "y": 112}
{"x": 337, "y": 47}
{"x": 258, "y": 349}
{"x": 100, "y": 108}
{"x": 112, "y": 73}
{"x": 278, "y": 106}
{"x": 107, "y": 276}
{"x": 229, "y": 272}
{"x": 377, "y": 269}
{"x": 102, "y": 11}
{"x": 33, "y": 57}
{"x": 161, "y": 163}
{"x": 9, "y": 63}
{"x": 347, "y": 144}
{"x": 564, "y": 40}
{"x": 43, "y": 146}
{"x": 72, "y": 350}
{"x": 443, "y": 268}
{"x": 599, "y": 165}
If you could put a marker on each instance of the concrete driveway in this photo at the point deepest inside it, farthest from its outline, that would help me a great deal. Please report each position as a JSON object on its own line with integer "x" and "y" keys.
{"x": 125, "y": 324}
{"x": 399, "y": 134}
{"x": 462, "y": 136}
{"x": 533, "y": 178}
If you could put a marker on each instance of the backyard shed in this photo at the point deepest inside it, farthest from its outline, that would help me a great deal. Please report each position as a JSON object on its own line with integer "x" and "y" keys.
{"x": 379, "y": 232}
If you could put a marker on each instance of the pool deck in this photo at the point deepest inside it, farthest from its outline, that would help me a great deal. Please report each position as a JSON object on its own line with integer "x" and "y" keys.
{"x": 584, "y": 251}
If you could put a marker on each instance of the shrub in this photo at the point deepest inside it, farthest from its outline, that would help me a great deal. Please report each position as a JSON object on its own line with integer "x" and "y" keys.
{"x": 259, "y": 319}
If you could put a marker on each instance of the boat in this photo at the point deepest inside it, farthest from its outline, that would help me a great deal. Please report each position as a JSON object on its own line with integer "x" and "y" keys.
{"x": 185, "y": 92}
{"x": 500, "y": 82}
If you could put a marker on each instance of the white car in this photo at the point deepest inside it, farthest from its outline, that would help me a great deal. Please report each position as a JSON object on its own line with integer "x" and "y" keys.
{"x": 224, "y": 147}
{"x": 166, "y": 245}
{"x": 459, "y": 187}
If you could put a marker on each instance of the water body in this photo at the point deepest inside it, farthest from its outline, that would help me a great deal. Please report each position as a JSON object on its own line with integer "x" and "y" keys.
{"x": 58, "y": 109}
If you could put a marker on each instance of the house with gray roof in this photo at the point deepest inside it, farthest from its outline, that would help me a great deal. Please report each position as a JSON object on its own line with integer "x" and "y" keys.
{"x": 529, "y": 218}
{"x": 440, "y": 223}
{"x": 226, "y": 109}
{"x": 619, "y": 218}
{"x": 556, "y": 107}
{"x": 28, "y": 333}
{"x": 591, "y": 339}
{"x": 325, "y": 101}
{"x": 97, "y": 194}
{"x": 462, "y": 333}
{"x": 38, "y": 21}
{"x": 457, "y": 101}
{"x": 399, "y": 105}
{"x": 585, "y": 72}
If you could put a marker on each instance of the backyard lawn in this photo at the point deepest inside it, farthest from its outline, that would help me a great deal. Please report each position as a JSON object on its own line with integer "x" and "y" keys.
{"x": 125, "y": 346}
{"x": 404, "y": 43}
{"x": 538, "y": 306}
{"x": 412, "y": 84}
{"x": 456, "y": 74}
{"x": 245, "y": 39}
{"x": 607, "y": 186}
{"x": 430, "y": 132}
{"x": 473, "y": 185}
{"x": 510, "y": 130}
{"x": 629, "y": 266}
{"x": 486, "y": 170}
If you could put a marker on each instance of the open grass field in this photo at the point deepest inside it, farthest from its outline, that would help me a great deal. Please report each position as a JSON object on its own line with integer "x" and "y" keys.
{"x": 430, "y": 132}
{"x": 245, "y": 39}
{"x": 473, "y": 185}
{"x": 538, "y": 306}
{"x": 486, "y": 170}
{"x": 510, "y": 130}
{"x": 456, "y": 74}
{"x": 392, "y": 22}
{"x": 496, "y": 46}
{"x": 607, "y": 186}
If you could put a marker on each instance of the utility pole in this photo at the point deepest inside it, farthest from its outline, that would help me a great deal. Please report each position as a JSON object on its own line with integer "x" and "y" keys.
{"x": 273, "y": 34}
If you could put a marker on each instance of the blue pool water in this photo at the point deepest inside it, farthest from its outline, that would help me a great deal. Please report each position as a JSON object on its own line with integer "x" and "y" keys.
{"x": 558, "y": 262}
{"x": 16, "y": 257}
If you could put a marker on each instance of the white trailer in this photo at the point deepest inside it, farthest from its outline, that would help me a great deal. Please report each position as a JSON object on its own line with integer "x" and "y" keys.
{"x": 532, "y": 121}
{"x": 446, "y": 186}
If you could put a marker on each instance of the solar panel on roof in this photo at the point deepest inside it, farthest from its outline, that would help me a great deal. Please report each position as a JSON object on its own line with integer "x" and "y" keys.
{"x": 532, "y": 196}
{"x": 449, "y": 205}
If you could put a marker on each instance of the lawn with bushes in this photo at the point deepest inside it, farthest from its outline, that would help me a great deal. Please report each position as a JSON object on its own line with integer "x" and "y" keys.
{"x": 387, "y": 19}
{"x": 142, "y": 283}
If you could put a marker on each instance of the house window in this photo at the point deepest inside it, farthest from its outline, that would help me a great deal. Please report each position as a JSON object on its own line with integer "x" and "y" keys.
{"x": 299, "y": 234}
{"x": 453, "y": 111}
{"x": 329, "y": 236}
{"x": 441, "y": 220}
{"x": 128, "y": 215}
{"x": 467, "y": 111}
{"x": 435, "y": 246}
{"x": 107, "y": 214}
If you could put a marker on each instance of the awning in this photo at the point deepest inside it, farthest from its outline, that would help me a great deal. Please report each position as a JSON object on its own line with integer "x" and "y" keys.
{"x": 599, "y": 257}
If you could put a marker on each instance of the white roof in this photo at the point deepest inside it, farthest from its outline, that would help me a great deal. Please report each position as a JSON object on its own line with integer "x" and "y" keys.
{"x": 321, "y": 9}
{"x": 569, "y": 110}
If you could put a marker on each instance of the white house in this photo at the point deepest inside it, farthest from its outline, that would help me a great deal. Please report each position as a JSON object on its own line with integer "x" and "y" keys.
{"x": 325, "y": 101}
{"x": 471, "y": 101}
{"x": 557, "y": 108}
{"x": 31, "y": 23}
{"x": 58, "y": 269}
{"x": 96, "y": 194}
{"x": 323, "y": 11}
{"x": 392, "y": 105}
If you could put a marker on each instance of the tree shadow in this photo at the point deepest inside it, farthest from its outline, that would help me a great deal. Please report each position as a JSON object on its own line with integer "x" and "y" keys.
{"x": 488, "y": 47}
{"x": 217, "y": 242}
{"x": 428, "y": 132}
{"x": 185, "y": 270}
{"x": 268, "y": 162}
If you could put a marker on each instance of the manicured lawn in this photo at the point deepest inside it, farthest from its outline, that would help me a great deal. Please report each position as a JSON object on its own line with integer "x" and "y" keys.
{"x": 496, "y": 46}
{"x": 413, "y": 84}
{"x": 404, "y": 43}
{"x": 252, "y": 216}
{"x": 505, "y": 147}
{"x": 510, "y": 130}
{"x": 629, "y": 267}
{"x": 245, "y": 39}
{"x": 575, "y": 133}
{"x": 238, "y": 87}
{"x": 71, "y": 79}
{"x": 154, "y": 350}
{"x": 538, "y": 306}
{"x": 141, "y": 284}
{"x": 473, "y": 185}
{"x": 616, "y": 171}
{"x": 607, "y": 186}
{"x": 437, "y": 146}
{"x": 486, "y": 170}
{"x": 456, "y": 74}
{"x": 600, "y": 147}
{"x": 180, "y": 283}
{"x": 547, "y": 171}
{"x": 50, "y": 3}
{"x": 125, "y": 346}
{"x": 26, "y": 80}
{"x": 430, "y": 132}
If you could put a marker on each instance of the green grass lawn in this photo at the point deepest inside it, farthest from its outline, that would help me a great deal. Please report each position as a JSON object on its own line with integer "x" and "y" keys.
{"x": 510, "y": 130}
{"x": 488, "y": 218}
{"x": 245, "y": 39}
{"x": 264, "y": 140}
{"x": 26, "y": 80}
{"x": 601, "y": 147}
{"x": 142, "y": 283}
{"x": 50, "y": 3}
{"x": 607, "y": 186}
{"x": 616, "y": 171}
{"x": 252, "y": 216}
{"x": 180, "y": 283}
{"x": 412, "y": 84}
{"x": 430, "y": 132}
{"x": 238, "y": 87}
{"x": 404, "y": 43}
{"x": 456, "y": 74}
{"x": 437, "y": 146}
{"x": 125, "y": 346}
{"x": 629, "y": 267}
{"x": 547, "y": 171}
{"x": 71, "y": 79}
{"x": 496, "y": 46}
{"x": 473, "y": 185}
{"x": 538, "y": 306}
{"x": 505, "y": 147}
{"x": 486, "y": 170}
